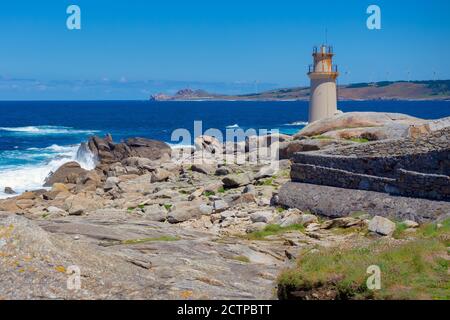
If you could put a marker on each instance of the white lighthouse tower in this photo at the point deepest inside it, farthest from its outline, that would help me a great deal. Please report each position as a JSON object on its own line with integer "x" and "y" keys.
{"x": 323, "y": 75}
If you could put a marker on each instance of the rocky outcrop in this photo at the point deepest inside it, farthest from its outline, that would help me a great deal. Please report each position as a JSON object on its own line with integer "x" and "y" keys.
{"x": 9, "y": 190}
{"x": 108, "y": 152}
{"x": 208, "y": 144}
{"x": 236, "y": 180}
{"x": 146, "y": 148}
{"x": 289, "y": 148}
{"x": 382, "y": 226}
{"x": 396, "y": 124}
{"x": 133, "y": 259}
{"x": 67, "y": 173}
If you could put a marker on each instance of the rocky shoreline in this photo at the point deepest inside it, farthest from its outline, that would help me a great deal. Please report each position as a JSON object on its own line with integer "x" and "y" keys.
{"x": 150, "y": 222}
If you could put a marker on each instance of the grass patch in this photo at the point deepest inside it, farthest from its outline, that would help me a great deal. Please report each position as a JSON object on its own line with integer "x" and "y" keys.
{"x": 273, "y": 229}
{"x": 433, "y": 231}
{"x": 144, "y": 240}
{"x": 416, "y": 269}
{"x": 281, "y": 209}
{"x": 221, "y": 190}
{"x": 243, "y": 259}
{"x": 427, "y": 231}
{"x": 167, "y": 206}
{"x": 285, "y": 174}
{"x": 209, "y": 193}
{"x": 267, "y": 182}
{"x": 322, "y": 137}
{"x": 359, "y": 140}
{"x": 399, "y": 230}
{"x": 351, "y": 230}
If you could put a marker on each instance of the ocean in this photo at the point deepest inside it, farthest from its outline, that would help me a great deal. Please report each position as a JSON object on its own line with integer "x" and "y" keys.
{"x": 38, "y": 137}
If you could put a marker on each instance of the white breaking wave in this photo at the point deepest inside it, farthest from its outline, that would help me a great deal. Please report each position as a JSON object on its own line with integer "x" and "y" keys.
{"x": 45, "y": 130}
{"x": 233, "y": 126}
{"x": 297, "y": 123}
{"x": 32, "y": 177}
{"x": 56, "y": 148}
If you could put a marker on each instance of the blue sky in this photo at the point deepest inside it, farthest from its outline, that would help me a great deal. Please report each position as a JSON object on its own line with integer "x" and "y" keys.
{"x": 129, "y": 49}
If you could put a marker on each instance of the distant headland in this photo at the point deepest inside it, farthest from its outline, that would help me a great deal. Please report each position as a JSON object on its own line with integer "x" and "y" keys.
{"x": 384, "y": 90}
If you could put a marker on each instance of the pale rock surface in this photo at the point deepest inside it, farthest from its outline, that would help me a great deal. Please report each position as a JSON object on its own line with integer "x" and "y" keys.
{"x": 382, "y": 226}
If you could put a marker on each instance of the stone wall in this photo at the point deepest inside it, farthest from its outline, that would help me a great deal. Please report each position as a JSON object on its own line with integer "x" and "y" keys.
{"x": 436, "y": 141}
{"x": 434, "y": 162}
{"x": 409, "y": 167}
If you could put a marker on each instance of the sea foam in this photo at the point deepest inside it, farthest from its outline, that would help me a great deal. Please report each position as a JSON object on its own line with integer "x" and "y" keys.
{"x": 297, "y": 123}
{"x": 31, "y": 177}
{"x": 45, "y": 130}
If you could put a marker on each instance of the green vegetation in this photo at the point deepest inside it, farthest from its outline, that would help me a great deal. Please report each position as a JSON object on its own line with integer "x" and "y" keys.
{"x": 438, "y": 87}
{"x": 138, "y": 241}
{"x": 267, "y": 182}
{"x": 414, "y": 269}
{"x": 243, "y": 259}
{"x": 399, "y": 230}
{"x": 167, "y": 206}
{"x": 322, "y": 137}
{"x": 144, "y": 240}
{"x": 209, "y": 193}
{"x": 221, "y": 190}
{"x": 384, "y": 83}
{"x": 358, "y": 85}
{"x": 131, "y": 209}
{"x": 285, "y": 174}
{"x": 428, "y": 231}
{"x": 359, "y": 140}
{"x": 273, "y": 229}
{"x": 351, "y": 230}
{"x": 280, "y": 209}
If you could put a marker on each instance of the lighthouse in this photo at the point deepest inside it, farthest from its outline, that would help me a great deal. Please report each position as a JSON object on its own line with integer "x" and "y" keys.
{"x": 323, "y": 75}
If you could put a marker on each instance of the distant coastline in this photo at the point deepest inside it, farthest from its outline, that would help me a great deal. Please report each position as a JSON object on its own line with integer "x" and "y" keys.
{"x": 385, "y": 90}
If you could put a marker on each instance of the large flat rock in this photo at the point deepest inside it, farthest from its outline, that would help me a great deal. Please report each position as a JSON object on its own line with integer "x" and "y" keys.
{"x": 339, "y": 202}
{"x": 360, "y": 120}
{"x": 130, "y": 258}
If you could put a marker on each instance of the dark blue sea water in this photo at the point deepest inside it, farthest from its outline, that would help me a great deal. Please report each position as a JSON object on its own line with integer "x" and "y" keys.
{"x": 37, "y": 137}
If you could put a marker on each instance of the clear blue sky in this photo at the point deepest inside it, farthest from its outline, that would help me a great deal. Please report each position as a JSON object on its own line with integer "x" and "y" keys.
{"x": 216, "y": 44}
